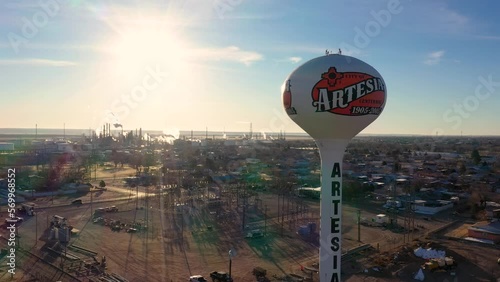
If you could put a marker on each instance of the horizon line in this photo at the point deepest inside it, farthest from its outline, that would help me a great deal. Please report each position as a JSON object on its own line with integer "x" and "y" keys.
{"x": 255, "y": 132}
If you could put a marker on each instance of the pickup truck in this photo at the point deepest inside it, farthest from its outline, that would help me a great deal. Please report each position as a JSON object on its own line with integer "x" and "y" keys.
{"x": 197, "y": 278}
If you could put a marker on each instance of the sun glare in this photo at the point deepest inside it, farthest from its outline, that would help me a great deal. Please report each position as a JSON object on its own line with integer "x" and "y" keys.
{"x": 154, "y": 50}
{"x": 136, "y": 49}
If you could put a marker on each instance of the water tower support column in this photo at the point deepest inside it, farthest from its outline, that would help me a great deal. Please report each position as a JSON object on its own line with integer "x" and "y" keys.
{"x": 332, "y": 153}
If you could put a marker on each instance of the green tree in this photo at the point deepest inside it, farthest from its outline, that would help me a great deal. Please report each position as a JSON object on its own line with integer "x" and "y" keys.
{"x": 149, "y": 160}
{"x": 476, "y": 158}
{"x": 102, "y": 184}
{"x": 137, "y": 161}
{"x": 115, "y": 158}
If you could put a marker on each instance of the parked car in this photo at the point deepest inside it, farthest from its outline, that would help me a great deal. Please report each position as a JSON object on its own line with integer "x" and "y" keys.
{"x": 98, "y": 212}
{"x": 15, "y": 219}
{"x": 254, "y": 234}
{"x": 219, "y": 276}
{"x": 76, "y": 202}
{"x": 112, "y": 209}
{"x": 131, "y": 230}
{"x": 197, "y": 278}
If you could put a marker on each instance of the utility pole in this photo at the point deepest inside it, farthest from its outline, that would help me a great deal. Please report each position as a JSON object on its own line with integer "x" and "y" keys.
{"x": 91, "y": 200}
{"x": 237, "y": 196}
{"x": 230, "y": 194}
{"x": 146, "y": 215}
{"x": 287, "y": 204}
{"x": 296, "y": 204}
{"x": 278, "y": 207}
{"x": 136, "y": 197}
{"x": 359, "y": 225}
{"x": 182, "y": 227}
{"x": 244, "y": 209}
{"x": 282, "y": 214}
{"x": 230, "y": 262}
{"x": 265, "y": 220}
{"x": 36, "y": 232}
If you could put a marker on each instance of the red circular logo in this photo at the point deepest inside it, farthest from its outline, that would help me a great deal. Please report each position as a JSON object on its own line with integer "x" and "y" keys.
{"x": 348, "y": 93}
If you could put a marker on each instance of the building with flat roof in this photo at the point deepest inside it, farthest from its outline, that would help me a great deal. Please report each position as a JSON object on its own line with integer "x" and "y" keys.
{"x": 485, "y": 231}
{"x": 5, "y": 146}
{"x": 431, "y": 207}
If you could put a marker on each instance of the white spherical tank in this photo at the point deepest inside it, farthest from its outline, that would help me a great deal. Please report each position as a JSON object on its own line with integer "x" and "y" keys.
{"x": 333, "y": 98}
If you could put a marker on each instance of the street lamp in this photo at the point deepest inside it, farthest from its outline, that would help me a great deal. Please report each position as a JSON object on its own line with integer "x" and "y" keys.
{"x": 232, "y": 253}
{"x": 230, "y": 256}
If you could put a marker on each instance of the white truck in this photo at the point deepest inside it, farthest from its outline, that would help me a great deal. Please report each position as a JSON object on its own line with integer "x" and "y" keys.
{"x": 380, "y": 220}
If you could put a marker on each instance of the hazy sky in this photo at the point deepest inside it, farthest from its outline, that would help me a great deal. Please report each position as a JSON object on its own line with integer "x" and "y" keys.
{"x": 191, "y": 64}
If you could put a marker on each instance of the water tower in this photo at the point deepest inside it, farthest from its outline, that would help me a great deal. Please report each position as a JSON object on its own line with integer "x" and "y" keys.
{"x": 333, "y": 98}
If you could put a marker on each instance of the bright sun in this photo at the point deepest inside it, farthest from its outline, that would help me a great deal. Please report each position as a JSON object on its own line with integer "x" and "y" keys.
{"x": 152, "y": 50}
{"x": 135, "y": 49}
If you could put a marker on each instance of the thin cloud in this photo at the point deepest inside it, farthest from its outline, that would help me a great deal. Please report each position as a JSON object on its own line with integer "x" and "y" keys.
{"x": 253, "y": 16}
{"x": 453, "y": 20}
{"x": 293, "y": 60}
{"x": 58, "y": 47}
{"x": 488, "y": 37}
{"x": 434, "y": 58}
{"x": 437, "y": 17}
{"x": 294, "y": 48}
{"x": 37, "y": 62}
{"x": 352, "y": 52}
{"x": 231, "y": 53}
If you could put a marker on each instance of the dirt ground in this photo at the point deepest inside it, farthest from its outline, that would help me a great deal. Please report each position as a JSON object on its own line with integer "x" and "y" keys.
{"x": 198, "y": 244}
{"x": 474, "y": 263}
{"x": 185, "y": 237}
